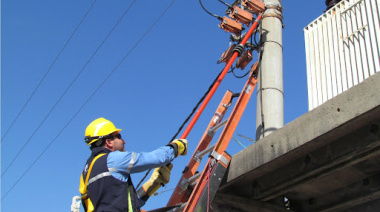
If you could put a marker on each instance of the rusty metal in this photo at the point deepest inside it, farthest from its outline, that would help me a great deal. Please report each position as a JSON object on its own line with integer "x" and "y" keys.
{"x": 256, "y": 6}
{"x": 230, "y": 25}
{"x": 275, "y": 7}
{"x": 241, "y": 15}
{"x": 226, "y": 56}
{"x": 244, "y": 60}
{"x": 273, "y": 15}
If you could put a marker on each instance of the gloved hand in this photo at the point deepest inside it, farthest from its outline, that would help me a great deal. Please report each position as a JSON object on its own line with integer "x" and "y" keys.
{"x": 179, "y": 146}
{"x": 160, "y": 177}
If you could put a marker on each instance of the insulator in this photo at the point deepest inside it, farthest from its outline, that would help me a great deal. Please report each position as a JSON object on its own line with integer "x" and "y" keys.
{"x": 244, "y": 60}
{"x": 230, "y": 25}
{"x": 241, "y": 15}
{"x": 255, "y": 6}
{"x": 226, "y": 56}
{"x": 239, "y": 49}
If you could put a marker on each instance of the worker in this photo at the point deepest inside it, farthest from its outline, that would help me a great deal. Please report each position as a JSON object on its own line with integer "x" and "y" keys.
{"x": 106, "y": 183}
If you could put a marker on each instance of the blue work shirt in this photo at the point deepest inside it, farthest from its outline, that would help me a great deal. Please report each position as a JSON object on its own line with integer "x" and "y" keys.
{"x": 121, "y": 164}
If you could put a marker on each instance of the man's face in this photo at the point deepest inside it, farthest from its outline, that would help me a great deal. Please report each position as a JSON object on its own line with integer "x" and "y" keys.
{"x": 118, "y": 143}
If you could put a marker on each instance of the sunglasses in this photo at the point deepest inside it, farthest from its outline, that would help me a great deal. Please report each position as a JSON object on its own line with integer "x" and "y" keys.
{"x": 88, "y": 139}
{"x": 118, "y": 136}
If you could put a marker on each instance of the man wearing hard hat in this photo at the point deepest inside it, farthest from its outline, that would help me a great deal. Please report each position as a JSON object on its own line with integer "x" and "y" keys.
{"x": 106, "y": 184}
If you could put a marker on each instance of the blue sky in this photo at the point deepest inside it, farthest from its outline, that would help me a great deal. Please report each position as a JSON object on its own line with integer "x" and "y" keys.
{"x": 152, "y": 87}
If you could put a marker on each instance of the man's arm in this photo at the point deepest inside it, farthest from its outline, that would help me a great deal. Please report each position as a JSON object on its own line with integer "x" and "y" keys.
{"x": 129, "y": 162}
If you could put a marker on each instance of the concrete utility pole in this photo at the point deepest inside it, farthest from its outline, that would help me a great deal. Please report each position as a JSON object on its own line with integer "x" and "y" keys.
{"x": 270, "y": 96}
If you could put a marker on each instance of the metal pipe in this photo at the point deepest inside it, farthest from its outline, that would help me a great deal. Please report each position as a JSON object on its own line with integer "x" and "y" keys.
{"x": 198, "y": 157}
{"x": 212, "y": 130}
{"x": 270, "y": 97}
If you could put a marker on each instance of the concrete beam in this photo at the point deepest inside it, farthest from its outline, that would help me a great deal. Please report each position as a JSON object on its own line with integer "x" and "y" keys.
{"x": 350, "y": 111}
{"x": 235, "y": 203}
{"x": 340, "y": 154}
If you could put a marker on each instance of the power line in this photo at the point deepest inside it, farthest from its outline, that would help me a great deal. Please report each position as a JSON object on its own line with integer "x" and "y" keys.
{"x": 50, "y": 67}
{"x": 208, "y": 12}
{"x": 100, "y": 85}
{"x": 68, "y": 87}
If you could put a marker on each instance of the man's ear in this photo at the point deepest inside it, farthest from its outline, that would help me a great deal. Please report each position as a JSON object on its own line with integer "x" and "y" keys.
{"x": 109, "y": 143}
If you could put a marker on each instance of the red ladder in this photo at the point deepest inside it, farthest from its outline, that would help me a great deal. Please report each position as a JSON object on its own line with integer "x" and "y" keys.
{"x": 208, "y": 181}
{"x": 195, "y": 191}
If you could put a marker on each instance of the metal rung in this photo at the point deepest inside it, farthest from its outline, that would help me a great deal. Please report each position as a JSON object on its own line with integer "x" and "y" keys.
{"x": 193, "y": 184}
{"x": 176, "y": 209}
{"x": 199, "y": 155}
{"x": 194, "y": 178}
{"x": 212, "y": 130}
{"x": 186, "y": 182}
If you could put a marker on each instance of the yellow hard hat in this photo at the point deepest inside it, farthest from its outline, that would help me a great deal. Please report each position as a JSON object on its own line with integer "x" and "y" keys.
{"x": 98, "y": 129}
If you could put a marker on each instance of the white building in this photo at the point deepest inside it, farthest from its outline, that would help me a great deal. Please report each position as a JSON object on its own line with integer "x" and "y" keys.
{"x": 342, "y": 48}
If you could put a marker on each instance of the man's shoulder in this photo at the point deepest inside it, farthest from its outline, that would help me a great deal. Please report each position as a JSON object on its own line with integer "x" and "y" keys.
{"x": 118, "y": 155}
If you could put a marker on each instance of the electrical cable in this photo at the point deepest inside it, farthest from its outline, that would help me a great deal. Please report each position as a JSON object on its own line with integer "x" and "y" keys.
{"x": 250, "y": 139}
{"x": 254, "y": 38}
{"x": 261, "y": 93}
{"x": 224, "y": 3}
{"x": 232, "y": 69}
{"x": 239, "y": 142}
{"x": 213, "y": 15}
{"x": 186, "y": 120}
{"x": 166, "y": 190}
{"x": 233, "y": 72}
{"x": 100, "y": 85}
{"x": 50, "y": 67}
{"x": 196, "y": 107}
{"x": 68, "y": 87}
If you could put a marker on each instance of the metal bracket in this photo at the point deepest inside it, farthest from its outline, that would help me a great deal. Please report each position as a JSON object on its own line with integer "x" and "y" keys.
{"x": 212, "y": 130}
{"x": 75, "y": 205}
{"x": 186, "y": 182}
{"x": 274, "y": 6}
{"x": 275, "y": 14}
{"x": 199, "y": 155}
{"x": 219, "y": 157}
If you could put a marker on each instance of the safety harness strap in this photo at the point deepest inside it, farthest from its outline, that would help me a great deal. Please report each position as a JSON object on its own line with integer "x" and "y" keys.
{"x": 89, "y": 170}
{"x": 88, "y": 181}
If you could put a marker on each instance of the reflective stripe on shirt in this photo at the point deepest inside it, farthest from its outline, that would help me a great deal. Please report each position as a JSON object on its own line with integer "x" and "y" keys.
{"x": 99, "y": 176}
{"x": 132, "y": 162}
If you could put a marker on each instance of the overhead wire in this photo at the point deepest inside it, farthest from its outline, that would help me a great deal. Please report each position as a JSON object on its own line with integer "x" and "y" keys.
{"x": 213, "y": 15}
{"x": 85, "y": 103}
{"x": 233, "y": 72}
{"x": 239, "y": 142}
{"x": 224, "y": 3}
{"x": 68, "y": 87}
{"x": 166, "y": 190}
{"x": 48, "y": 70}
